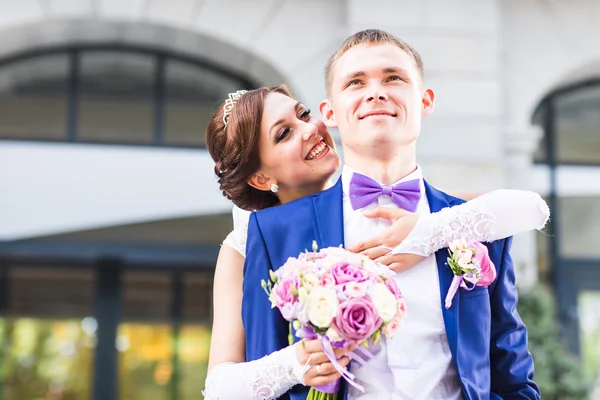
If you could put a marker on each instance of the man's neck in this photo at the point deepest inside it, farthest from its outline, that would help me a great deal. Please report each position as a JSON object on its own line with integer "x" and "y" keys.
{"x": 387, "y": 170}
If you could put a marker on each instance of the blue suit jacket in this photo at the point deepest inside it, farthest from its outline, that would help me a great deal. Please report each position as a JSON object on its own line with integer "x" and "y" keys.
{"x": 487, "y": 338}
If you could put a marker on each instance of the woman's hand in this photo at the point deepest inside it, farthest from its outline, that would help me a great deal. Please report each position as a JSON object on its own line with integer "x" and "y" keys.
{"x": 379, "y": 247}
{"x": 321, "y": 371}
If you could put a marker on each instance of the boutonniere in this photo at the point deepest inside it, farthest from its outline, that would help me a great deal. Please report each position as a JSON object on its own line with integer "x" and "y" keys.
{"x": 471, "y": 265}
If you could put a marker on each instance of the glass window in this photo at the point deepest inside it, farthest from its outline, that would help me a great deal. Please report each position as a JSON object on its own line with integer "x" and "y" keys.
{"x": 589, "y": 315}
{"x": 543, "y": 253}
{"x": 116, "y": 97}
{"x": 197, "y": 297}
{"x": 578, "y": 126}
{"x": 194, "y": 345}
{"x": 147, "y": 295}
{"x": 145, "y": 361}
{"x": 579, "y": 228}
{"x": 33, "y": 98}
{"x": 192, "y": 94}
{"x": 541, "y": 153}
{"x": 47, "y": 337}
{"x": 194, "y": 339}
{"x": 145, "y": 338}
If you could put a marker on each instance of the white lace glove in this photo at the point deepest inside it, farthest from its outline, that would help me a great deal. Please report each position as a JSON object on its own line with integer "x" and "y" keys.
{"x": 492, "y": 216}
{"x": 263, "y": 379}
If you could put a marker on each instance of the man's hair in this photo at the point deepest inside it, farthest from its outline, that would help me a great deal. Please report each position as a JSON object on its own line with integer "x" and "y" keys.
{"x": 369, "y": 36}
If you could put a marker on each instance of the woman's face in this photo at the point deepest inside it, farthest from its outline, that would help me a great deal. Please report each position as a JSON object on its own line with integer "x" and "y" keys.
{"x": 296, "y": 150}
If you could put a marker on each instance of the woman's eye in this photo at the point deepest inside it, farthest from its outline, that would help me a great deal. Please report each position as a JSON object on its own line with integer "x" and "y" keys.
{"x": 304, "y": 114}
{"x": 284, "y": 133}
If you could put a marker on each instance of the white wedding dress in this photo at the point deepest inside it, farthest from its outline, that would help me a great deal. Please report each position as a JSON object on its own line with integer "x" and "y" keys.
{"x": 492, "y": 216}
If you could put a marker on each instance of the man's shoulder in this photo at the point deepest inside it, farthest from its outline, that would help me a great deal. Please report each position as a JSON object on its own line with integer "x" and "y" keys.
{"x": 296, "y": 208}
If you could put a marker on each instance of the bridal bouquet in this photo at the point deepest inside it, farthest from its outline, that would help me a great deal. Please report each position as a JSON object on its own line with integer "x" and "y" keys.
{"x": 340, "y": 297}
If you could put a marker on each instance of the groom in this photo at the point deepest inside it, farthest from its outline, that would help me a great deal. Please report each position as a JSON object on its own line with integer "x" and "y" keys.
{"x": 476, "y": 349}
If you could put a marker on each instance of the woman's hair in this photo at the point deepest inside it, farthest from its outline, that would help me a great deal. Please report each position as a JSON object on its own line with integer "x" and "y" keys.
{"x": 234, "y": 147}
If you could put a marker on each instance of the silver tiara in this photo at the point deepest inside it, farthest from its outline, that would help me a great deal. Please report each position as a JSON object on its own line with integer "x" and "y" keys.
{"x": 230, "y": 102}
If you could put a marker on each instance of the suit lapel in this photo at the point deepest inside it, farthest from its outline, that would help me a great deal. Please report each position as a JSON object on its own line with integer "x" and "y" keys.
{"x": 437, "y": 201}
{"x": 328, "y": 218}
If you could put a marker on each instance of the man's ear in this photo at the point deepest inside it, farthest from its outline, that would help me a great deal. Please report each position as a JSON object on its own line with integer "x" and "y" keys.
{"x": 327, "y": 113}
{"x": 260, "y": 181}
{"x": 428, "y": 101}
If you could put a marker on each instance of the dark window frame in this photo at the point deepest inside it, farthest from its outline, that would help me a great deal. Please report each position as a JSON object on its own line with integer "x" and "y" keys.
{"x": 161, "y": 58}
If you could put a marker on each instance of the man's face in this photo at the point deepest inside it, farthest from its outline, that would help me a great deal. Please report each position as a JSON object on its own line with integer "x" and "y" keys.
{"x": 377, "y": 97}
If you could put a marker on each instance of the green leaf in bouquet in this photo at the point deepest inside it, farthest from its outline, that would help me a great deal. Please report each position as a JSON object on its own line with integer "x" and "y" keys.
{"x": 273, "y": 276}
{"x": 291, "y": 335}
{"x": 377, "y": 336}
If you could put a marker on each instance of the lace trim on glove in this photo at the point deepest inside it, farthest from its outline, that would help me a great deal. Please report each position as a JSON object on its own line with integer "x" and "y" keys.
{"x": 264, "y": 379}
{"x": 436, "y": 231}
{"x": 237, "y": 239}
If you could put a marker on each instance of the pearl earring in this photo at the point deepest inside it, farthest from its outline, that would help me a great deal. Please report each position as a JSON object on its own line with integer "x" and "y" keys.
{"x": 274, "y": 188}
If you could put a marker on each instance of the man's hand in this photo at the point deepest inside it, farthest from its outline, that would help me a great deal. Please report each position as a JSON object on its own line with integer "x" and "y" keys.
{"x": 379, "y": 247}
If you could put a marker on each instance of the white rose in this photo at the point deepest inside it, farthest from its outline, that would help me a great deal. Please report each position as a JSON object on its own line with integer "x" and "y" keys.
{"x": 458, "y": 244}
{"x": 321, "y": 307}
{"x": 310, "y": 281}
{"x": 385, "y": 302}
{"x": 302, "y": 294}
{"x": 333, "y": 335}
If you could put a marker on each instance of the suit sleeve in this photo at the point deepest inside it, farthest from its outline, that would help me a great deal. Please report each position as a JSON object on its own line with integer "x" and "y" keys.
{"x": 266, "y": 330}
{"x": 510, "y": 362}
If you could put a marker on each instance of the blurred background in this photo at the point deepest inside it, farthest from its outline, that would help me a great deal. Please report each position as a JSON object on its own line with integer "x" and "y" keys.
{"x": 111, "y": 219}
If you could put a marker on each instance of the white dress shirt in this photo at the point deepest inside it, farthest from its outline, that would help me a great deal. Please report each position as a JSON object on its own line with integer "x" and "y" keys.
{"x": 419, "y": 349}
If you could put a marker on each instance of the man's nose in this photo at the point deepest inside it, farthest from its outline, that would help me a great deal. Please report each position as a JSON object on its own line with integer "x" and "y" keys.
{"x": 377, "y": 95}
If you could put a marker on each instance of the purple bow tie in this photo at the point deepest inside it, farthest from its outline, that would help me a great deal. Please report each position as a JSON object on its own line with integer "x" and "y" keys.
{"x": 364, "y": 191}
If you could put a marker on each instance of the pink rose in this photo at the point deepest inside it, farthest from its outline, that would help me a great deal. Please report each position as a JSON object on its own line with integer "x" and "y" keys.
{"x": 391, "y": 327}
{"x": 283, "y": 291}
{"x": 291, "y": 311}
{"x": 401, "y": 312}
{"x": 482, "y": 258}
{"x": 392, "y": 286}
{"x": 355, "y": 289}
{"x": 344, "y": 272}
{"x": 327, "y": 280}
{"x": 356, "y": 320}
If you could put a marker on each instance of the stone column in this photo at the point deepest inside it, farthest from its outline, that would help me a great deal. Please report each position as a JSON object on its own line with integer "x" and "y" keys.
{"x": 519, "y": 146}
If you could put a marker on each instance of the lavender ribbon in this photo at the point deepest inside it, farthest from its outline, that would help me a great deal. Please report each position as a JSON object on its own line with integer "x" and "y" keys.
{"x": 459, "y": 281}
{"x": 333, "y": 387}
{"x": 390, "y": 387}
{"x": 364, "y": 191}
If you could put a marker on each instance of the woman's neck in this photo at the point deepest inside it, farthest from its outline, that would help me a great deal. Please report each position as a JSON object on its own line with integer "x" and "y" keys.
{"x": 288, "y": 195}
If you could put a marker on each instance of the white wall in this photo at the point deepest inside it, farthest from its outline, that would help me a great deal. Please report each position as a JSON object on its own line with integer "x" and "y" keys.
{"x": 55, "y": 188}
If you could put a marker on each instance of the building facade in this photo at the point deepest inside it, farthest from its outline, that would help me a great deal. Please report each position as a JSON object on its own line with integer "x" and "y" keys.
{"x": 110, "y": 216}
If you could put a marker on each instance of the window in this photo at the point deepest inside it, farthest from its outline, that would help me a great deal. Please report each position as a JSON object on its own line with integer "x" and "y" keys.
{"x": 579, "y": 228}
{"x": 109, "y": 95}
{"x": 33, "y": 98}
{"x": 578, "y": 126}
{"x": 192, "y": 94}
{"x": 116, "y": 97}
{"x": 47, "y": 337}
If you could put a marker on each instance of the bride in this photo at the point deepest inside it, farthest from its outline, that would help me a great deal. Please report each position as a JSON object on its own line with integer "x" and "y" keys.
{"x": 269, "y": 150}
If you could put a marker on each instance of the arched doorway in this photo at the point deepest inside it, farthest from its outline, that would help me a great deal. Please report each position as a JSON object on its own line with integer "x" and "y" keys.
{"x": 570, "y": 159}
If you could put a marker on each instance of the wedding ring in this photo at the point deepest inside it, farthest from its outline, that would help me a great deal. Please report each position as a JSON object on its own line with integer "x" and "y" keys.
{"x": 318, "y": 369}
{"x": 386, "y": 247}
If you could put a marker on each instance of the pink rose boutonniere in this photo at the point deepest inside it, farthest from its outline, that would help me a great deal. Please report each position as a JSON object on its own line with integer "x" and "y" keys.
{"x": 471, "y": 264}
